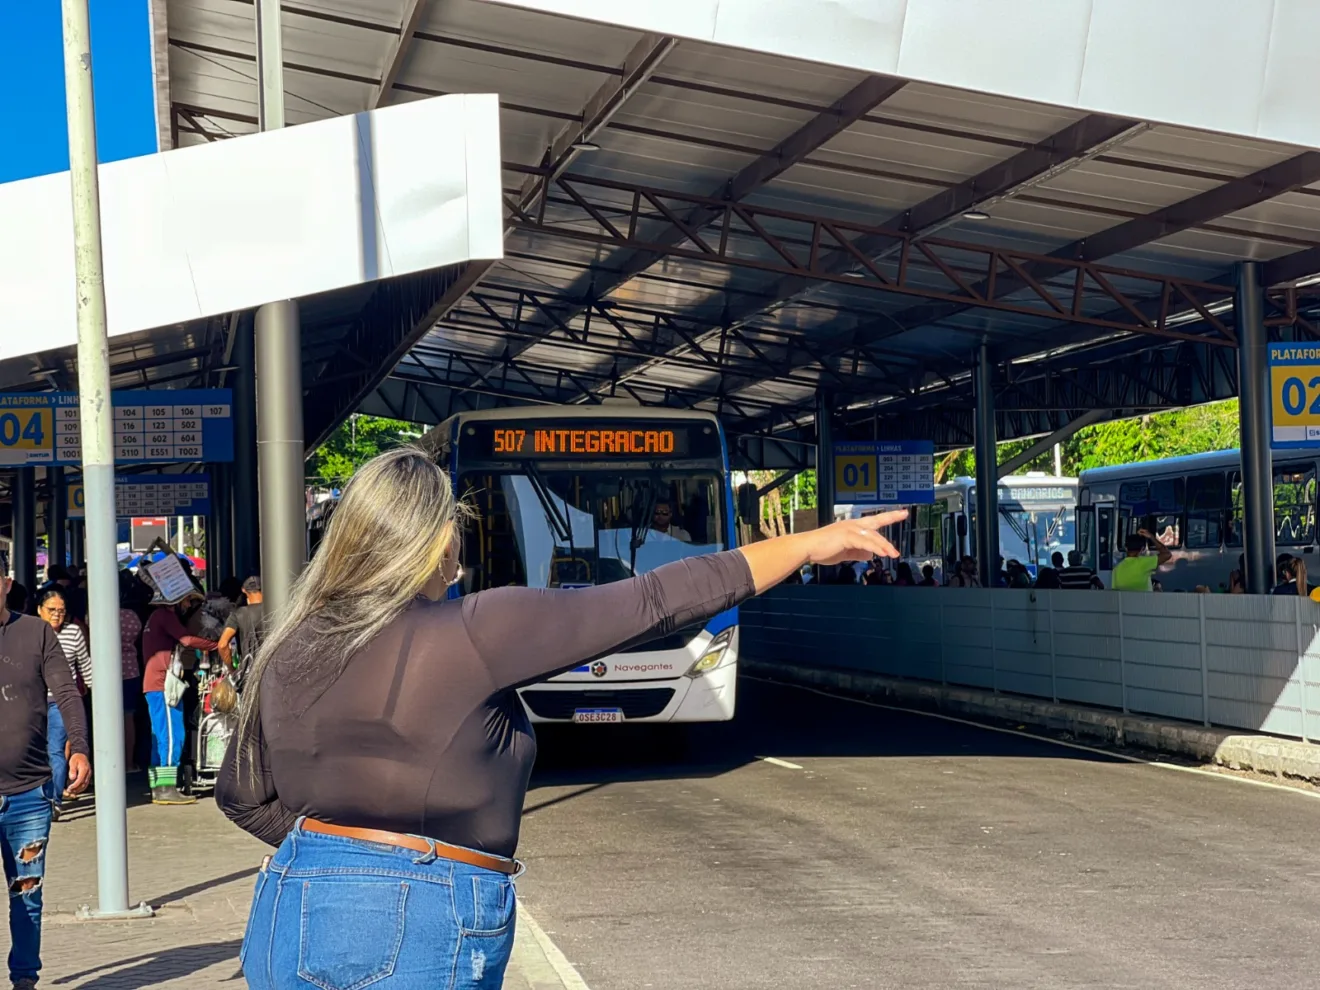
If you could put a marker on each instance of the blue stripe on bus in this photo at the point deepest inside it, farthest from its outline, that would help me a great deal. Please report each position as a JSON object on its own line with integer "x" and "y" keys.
{"x": 723, "y": 621}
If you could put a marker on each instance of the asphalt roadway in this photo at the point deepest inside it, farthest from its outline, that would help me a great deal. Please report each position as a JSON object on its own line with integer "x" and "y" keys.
{"x": 908, "y": 851}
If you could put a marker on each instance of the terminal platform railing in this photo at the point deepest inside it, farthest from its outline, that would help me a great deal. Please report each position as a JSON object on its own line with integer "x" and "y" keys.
{"x": 1235, "y": 661}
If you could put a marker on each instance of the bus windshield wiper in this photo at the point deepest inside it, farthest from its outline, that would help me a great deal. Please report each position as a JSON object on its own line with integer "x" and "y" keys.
{"x": 1018, "y": 522}
{"x": 640, "y": 528}
{"x": 558, "y": 524}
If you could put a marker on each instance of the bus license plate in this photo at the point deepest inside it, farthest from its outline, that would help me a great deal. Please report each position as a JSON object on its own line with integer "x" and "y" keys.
{"x": 598, "y": 715}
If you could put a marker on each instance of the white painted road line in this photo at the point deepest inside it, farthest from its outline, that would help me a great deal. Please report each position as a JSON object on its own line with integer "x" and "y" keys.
{"x": 780, "y": 763}
{"x": 568, "y": 977}
{"x": 1046, "y": 739}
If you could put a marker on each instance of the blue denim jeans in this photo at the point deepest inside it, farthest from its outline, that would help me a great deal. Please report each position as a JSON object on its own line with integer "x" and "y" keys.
{"x": 342, "y": 914}
{"x": 56, "y": 737}
{"x": 24, "y": 832}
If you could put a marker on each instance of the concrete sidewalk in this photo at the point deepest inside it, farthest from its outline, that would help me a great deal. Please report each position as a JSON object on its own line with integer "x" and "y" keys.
{"x": 197, "y": 870}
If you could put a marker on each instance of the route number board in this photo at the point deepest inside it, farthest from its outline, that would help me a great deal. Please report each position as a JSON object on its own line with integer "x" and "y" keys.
{"x": 884, "y": 472}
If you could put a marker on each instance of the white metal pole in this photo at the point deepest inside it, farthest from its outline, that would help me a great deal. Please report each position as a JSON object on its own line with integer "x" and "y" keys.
{"x": 98, "y": 463}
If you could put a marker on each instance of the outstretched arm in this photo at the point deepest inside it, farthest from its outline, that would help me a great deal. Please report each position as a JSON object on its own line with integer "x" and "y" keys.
{"x": 177, "y": 632}
{"x": 524, "y": 634}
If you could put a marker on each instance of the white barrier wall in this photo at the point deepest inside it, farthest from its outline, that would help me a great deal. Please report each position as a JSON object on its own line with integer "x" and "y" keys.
{"x": 234, "y": 224}
{"x": 1238, "y": 661}
{"x": 1244, "y": 67}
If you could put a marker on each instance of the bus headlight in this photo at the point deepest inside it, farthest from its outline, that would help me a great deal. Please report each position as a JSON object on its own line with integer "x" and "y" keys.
{"x": 714, "y": 653}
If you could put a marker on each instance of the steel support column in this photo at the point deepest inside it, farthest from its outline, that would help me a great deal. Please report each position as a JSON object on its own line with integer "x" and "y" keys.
{"x": 56, "y": 517}
{"x": 220, "y": 532}
{"x": 824, "y": 458}
{"x": 77, "y": 542}
{"x": 25, "y": 528}
{"x": 247, "y": 547}
{"x": 1254, "y": 424}
{"x": 987, "y": 470}
{"x": 270, "y": 65}
{"x": 280, "y": 451}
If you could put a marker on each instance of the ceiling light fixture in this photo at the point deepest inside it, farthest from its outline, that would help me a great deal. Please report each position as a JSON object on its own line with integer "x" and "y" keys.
{"x": 976, "y": 215}
{"x": 585, "y": 145}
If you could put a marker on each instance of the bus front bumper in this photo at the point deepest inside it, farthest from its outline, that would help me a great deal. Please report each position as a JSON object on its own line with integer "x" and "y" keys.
{"x": 708, "y": 698}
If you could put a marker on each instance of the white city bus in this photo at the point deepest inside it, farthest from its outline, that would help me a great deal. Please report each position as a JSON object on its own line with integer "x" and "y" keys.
{"x": 1037, "y": 517}
{"x": 567, "y": 497}
{"x": 1193, "y": 505}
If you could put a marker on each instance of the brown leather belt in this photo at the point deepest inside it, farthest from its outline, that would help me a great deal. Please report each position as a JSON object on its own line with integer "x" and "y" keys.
{"x": 416, "y": 843}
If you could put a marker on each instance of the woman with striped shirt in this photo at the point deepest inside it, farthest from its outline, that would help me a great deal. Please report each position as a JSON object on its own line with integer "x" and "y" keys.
{"x": 73, "y": 641}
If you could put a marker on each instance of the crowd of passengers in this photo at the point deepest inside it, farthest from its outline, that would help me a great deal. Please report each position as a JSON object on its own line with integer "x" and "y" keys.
{"x": 1137, "y": 571}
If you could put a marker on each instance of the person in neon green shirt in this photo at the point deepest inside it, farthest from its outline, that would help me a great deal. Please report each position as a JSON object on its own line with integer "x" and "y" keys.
{"x": 1133, "y": 572}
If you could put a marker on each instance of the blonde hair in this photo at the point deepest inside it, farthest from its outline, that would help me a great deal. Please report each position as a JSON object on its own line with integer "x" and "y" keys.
{"x": 388, "y": 537}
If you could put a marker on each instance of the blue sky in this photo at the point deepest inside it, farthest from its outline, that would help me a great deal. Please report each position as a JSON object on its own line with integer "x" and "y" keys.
{"x": 33, "y": 134}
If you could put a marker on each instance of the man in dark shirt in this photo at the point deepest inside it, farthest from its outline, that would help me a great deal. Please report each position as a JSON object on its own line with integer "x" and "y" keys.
{"x": 1076, "y": 576}
{"x": 31, "y": 663}
{"x": 244, "y": 625}
{"x": 1048, "y": 577}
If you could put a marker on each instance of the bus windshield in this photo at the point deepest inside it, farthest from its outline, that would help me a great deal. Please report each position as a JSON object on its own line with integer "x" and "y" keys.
{"x": 1033, "y": 535}
{"x": 547, "y": 527}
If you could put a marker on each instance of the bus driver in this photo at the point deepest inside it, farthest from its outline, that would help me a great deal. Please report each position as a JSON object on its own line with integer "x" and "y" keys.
{"x": 662, "y": 521}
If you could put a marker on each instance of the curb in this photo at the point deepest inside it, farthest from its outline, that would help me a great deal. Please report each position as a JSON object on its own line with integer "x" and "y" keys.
{"x": 1238, "y": 751}
{"x": 537, "y": 963}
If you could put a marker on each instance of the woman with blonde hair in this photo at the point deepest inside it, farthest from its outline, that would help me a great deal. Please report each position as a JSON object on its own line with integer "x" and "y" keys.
{"x": 381, "y": 745}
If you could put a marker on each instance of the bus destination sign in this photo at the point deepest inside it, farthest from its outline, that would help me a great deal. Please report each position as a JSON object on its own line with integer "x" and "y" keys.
{"x": 579, "y": 440}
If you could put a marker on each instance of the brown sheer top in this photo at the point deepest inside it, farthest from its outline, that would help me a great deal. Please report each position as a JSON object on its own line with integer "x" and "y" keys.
{"x": 422, "y": 732}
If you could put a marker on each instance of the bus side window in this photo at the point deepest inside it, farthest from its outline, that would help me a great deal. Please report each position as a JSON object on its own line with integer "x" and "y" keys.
{"x": 1207, "y": 506}
{"x": 1294, "y": 504}
{"x": 1233, "y": 536}
{"x": 949, "y": 534}
{"x": 1166, "y": 511}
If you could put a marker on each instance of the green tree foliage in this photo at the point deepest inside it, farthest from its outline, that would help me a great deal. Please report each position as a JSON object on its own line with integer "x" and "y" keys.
{"x": 358, "y": 439}
{"x": 1169, "y": 434}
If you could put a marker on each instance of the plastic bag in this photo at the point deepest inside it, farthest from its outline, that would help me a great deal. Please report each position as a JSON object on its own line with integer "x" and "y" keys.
{"x": 175, "y": 685}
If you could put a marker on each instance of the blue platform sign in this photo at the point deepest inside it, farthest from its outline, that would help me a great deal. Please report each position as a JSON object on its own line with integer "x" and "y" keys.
{"x": 149, "y": 427}
{"x": 162, "y": 495}
{"x": 884, "y": 472}
{"x": 139, "y": 495}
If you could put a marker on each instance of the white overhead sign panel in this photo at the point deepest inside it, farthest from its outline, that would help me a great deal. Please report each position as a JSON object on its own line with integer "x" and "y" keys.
{"x": 234, "y": 224}
{"x": 1253, "y": 72}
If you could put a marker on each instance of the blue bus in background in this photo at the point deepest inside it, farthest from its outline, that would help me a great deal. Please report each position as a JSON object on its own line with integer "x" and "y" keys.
{"x": 569, "y": 497}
